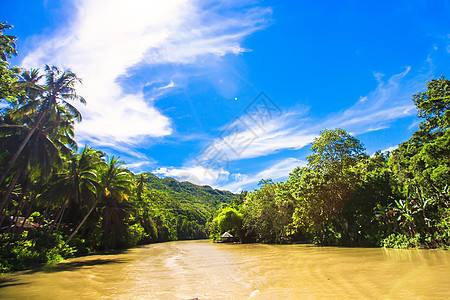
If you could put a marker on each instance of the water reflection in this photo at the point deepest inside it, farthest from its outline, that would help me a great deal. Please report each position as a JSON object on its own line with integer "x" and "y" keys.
{"x": 416, "y": 255}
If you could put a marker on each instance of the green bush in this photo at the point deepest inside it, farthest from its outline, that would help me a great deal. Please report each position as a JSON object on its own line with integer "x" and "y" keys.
{"x": 31, "y": 249}
{"x": 401, "y": 241}
{"x": 136, "y": 234}
{"x": 442, "y": 236}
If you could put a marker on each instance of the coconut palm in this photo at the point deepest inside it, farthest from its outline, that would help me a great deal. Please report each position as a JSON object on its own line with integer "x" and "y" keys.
{"x": 139, "y": 185}
{"x": 52, "y": 105}
{"x": 42, "y": 126}
{"x": 7, "y": 43}
{"x": 31, "y": 91}
{"x": 76, "y": 185}
{"x": 115, "y": 208}
{"x": 43, "y": 151}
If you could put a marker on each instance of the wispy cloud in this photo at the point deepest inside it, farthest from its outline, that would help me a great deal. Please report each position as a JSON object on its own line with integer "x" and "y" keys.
{"x": 195, "y": 174}
{"x": 293, "y": 130}
{"x": 243, "y": 139}
{"x": 390, "y": 149}
{"x": 278, "y": 171}
{"x": 234, "y": 182}
{"x": 106, "y": 38}
{"x": 137, "y": 167}
{"x": 391, "y": 100}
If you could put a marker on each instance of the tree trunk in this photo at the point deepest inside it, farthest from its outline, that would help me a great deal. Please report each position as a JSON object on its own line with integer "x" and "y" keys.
{"x": 27, "y": 215}
{"x": 79, "y": 226}
{"x": 22, "y": 145}
{"x": 30, "y": 206}
{"x": 19, "y": 211}
{"x": 10, "y": 189}
{"x": 62, "y": 216}
{"x": 58, "y": 216}
{"x": 44, "y": 215}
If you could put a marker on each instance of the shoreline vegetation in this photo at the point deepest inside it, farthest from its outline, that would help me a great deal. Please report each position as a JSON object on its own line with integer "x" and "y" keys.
{"x": 344, "y": 197}
{"x": 58, "y": 201}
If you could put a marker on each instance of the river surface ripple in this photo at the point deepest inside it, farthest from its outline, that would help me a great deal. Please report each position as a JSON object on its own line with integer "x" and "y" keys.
{"x": 203, "y": 270}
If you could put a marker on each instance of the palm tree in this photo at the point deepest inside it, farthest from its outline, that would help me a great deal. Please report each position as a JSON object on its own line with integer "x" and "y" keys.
{"x": 43, "y": 126}
{"x": 115, "y": 208}
{"x": 31, "y": 91}
{"x": 77, "y": 185}
{"x": 42, "y": 152}
{"x": 59, "y": 87}
{"x": 7, "y": 43}
{"x": 139, "y": 184}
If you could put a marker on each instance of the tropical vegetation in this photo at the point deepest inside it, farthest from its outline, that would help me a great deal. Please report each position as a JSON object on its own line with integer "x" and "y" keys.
{"x": 343, "y": 196}
{"x": 57, "y": 200}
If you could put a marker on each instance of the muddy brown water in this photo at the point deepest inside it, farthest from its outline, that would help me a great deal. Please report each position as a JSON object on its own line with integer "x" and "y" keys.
{"x": 203, "y": 270}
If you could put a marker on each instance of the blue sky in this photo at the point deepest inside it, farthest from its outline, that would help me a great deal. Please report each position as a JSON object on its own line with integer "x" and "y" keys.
{"x": 226, "y": 93}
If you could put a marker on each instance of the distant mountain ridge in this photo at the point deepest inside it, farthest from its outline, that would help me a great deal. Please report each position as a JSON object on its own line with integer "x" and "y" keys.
{"x": 173, "y": 210}
{"x": 196, "y": 193}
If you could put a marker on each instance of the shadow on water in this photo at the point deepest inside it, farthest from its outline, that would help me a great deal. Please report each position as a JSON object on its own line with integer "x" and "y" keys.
{"x": 5, "y": 282}
{"x": 71, "y": 265}
{"x": 76, "y": 265}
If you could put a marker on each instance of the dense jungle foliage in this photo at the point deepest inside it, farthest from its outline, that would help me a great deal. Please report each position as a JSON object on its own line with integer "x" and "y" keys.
{"x": 345, "y": 197}
{"x": 57, "y": 201}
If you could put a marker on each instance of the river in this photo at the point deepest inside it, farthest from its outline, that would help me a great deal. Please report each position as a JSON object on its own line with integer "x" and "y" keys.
{"x": 203, "y": 270}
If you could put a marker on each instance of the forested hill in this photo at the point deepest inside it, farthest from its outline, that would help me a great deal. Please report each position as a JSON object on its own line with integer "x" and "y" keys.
{"x": 56, "y": 199}
{"x": 189, "y": 192}
{"x": 173, "y": 210}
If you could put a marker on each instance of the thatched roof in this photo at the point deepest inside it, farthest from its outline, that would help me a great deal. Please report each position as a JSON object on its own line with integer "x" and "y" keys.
{"x": 19, "y": 223}
{"x": 226, "y": 235}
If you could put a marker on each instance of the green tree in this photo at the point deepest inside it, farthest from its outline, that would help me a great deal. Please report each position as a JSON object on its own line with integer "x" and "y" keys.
{"x": 7, "y": 43}
{"x": 114, "y": 204}
{"x": 53, "y": 106}
{"x": 328, "y": 182}
{"x": 433, "y": 105}
{"x": 77, "y": 184}
{"x": 228, "y": 220}
{"x": 267, "y": 214}
{"x": 333, "y": 149}
{"x": 358, "y": 222}
{"x": 423, "y": 162}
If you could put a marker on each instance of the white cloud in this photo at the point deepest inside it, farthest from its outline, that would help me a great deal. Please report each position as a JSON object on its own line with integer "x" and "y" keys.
{"x": 379, "y": 76}
{"x": 244, "y": 138}
{"x": 171, "y": 84}
{"x": 195, "y": 174}
{"x": 106, "y": 38}
{"x": 390, "y": 149}
{"x": 414, "y": 125}
{"x": 391, "y": 100}
{"x": 235, "y": 182}
{"x": 138, "y": 165}
{"x": 278, "y": 171}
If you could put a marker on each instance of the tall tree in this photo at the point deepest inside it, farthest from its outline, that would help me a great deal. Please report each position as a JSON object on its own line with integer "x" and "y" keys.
{"x": 7, "y": 43}
{"x": 423, "y": 162}
{"x": 334, "y": 148}
{"x": 328, "y": 182}
{"x": 58, "y": 89}
{"x": 433, "y": 105}
{"x": 115, "y": 208}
